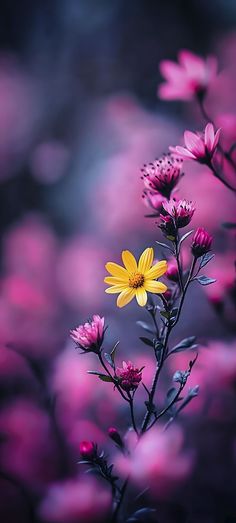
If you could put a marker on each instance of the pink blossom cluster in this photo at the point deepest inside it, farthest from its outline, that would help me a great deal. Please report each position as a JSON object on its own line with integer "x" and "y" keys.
{"x": 129, "y": 376}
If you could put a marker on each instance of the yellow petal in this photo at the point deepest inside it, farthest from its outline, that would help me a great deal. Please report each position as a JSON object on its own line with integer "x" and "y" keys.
{"x": 113, "y": 280}
{"x": 129, "y": 261}
{"x": 155, "y": 286}
{"x": 125, "y": 297}
{"x": 117, "y": 270}
{"x": 141, "y": 296}
{"x": 145, "y": 260}
{"x": 116, "y": 288}
{"x": 157, "y": 270}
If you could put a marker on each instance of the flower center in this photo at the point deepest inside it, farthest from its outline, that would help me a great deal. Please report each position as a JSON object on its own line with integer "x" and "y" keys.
{"x": 136, "y": 280}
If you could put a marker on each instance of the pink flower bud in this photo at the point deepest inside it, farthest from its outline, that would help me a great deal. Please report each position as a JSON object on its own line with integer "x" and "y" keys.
{"x": 129, "y": 376}
{"x": 202, "y": 241}
{"x": 172, "y": 272}
{"x": 89, "y": 337}
{"x": 87, "y": 450}
{"x": 162, "y": 175}
{"x": 115, "y": 436}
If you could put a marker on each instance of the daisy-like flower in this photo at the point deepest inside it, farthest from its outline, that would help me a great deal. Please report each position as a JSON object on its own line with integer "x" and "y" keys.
{"x": 199, "y": 147}
{"x": 135, "y": 279}
{"x": 187, "y": 78}
{"x": 162, "y": 175}
{"x": 129, "y": 376}
{"x": 89, "y": 337}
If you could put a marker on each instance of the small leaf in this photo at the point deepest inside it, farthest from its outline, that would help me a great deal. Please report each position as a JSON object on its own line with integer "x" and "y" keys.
{"x": 145, "y": 326}
{"x": 109, "y": 359}
{"x": 113, "y": 352}
{"x": 185, "y": 236}
{"x": 165, "y": 314}
{"x": 184, "y": 344}
{"x": 104, "y": 377}
{"x": 141, "y": 515}
{"x": 171, "y": 238}
{"x": 204, "y": 280}
{"x": 205, "y": 259}
{"x": 229, "y": 225}
{"x": 164, "y": 245}
{"x": 147, "y": 341}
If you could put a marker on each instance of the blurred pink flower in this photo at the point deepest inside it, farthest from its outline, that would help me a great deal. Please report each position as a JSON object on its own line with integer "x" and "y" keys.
{"x": 90, "y": 335}
{"x": 172, "y": 271}
{"x": 201, "y": 243}
{"x": 162, "y": 175}
{"x": 49, "y": 161}
{"x": 28, "y": 448}
{"x": 75, "y": 500}
{"x": 189, "y": 77}
{"x": 157, "y": 460}
{"x": 154, "y": 201}
{"x": 129, "y": 376}
{"x": 197, "y": 147}
{"x": 87, "y": 449}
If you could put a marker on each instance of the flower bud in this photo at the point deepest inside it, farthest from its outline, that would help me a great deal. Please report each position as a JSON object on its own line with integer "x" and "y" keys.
{"x": 87, "y": 450}
{"x": 115, "y": 436}
{"x": 202, "y": 241}
{"x": 180, "y": 211}
{"x": 172, "y": 272}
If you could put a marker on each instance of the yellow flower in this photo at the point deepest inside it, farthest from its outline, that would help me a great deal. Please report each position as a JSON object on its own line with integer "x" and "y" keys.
{"x": 135, "y": 279}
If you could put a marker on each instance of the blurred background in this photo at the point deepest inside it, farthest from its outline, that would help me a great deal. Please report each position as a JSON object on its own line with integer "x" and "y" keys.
{"x": 79, "y": 115}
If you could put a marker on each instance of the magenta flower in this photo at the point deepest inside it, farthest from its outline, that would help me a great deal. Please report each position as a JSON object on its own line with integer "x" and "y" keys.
{"x": 89, "y": 337}
{"x": 202, "y": 241}
{"x": 115, "y": 436}
{"x": 187, "y": 78}
{"x": 172, "y": 271}
{"x": 199, "y": 147}
{"x": 129, "y": 376}
{"x": 181, "y": 212}
{"x": 162, "y": 175}
{"x": 87, "y": 449}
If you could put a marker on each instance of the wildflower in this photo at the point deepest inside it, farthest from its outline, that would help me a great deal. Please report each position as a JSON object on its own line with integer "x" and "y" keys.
{"x": 202, "y": 241}
{"x": 129, "y": 376}
{"x": 154, "y": 200}
{"x": 181, "y": 212}
{"x": 135, "y": 279}
{"x": 199, "y": 147}
{"x": 87, "y": 450}
{"x": 187, "y": 78}
{"x": 89, "y": 336}
{"x": 162, "y": 175}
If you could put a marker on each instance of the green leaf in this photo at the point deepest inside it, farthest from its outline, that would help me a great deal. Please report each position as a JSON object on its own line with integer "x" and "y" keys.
{"x": 104, "y": 377}
{"x": 185, "y": 236}
{"x": 147, "y": 341}
{"x": 205, "y": 259}
{"x": 165, "y": 314}
{"x": 204, "y": 280}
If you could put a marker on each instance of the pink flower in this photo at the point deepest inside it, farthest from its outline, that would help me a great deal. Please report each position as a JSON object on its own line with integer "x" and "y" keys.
{"x": 202, "y": 241}
{"x": 76, "y": 500}
{"x": 89, "y": 336}
{"x": 157, "y": 460}
{"x": 115, "y": 436}
{"x": 154, "y": 200}
{"x": 129, "y": 376}
{"x": 87, "y": 449}
{"x": 197, "y": 147}
{"x": 181, "y": 212}
{"x": 188, "y": 78}
{"x": 162, "y": 175}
